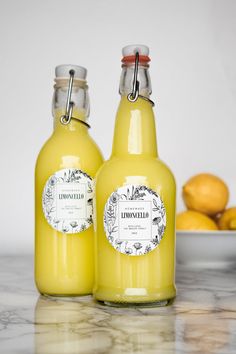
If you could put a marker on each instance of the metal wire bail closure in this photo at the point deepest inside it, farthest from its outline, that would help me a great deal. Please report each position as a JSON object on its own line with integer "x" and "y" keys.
{"x": 66, "y": 118}
{"x": 133, "y": 96}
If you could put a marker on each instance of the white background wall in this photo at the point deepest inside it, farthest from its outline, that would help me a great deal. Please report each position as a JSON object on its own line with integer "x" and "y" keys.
{"x": 193, "y": 70}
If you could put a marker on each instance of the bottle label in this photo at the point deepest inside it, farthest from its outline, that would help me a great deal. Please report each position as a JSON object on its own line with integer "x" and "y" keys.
{"x": 134, "y": 219}
{"x": 68, "y": 200}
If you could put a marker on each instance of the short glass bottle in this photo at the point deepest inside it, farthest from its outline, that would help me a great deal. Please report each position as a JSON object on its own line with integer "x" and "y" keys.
{"x": 65, "y": 168}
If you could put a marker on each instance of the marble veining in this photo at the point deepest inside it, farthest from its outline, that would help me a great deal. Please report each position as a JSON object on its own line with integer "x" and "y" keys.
{"x": 201, "y": 320}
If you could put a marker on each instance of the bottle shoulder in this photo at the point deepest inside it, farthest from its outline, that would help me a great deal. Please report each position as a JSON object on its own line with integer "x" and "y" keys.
{"x": 46, "y": 145}
{"x": 63, "y": 144}
{"x": 74, "y": 151}
{"x": 166, "y": 170}
{"x": 121, "y": 168}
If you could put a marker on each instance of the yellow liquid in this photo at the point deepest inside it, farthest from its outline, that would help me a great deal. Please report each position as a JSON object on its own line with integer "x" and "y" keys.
{"x": 148, "y": 278}
{"x": 64, "y": 263}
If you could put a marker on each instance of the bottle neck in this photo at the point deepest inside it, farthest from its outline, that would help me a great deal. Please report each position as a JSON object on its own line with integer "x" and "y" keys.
{"x": 135, "y": 131}
{"x": 80, "y": 112}
{"x": 127, "y": 76}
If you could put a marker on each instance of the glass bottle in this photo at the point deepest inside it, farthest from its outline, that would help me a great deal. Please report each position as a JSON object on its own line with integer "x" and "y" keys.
{"x": 65, "y": 168}
{"x": 135, "y": 201}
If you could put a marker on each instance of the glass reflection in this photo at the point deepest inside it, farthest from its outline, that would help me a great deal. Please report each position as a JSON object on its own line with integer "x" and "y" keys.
{"x": 79, "y": 325}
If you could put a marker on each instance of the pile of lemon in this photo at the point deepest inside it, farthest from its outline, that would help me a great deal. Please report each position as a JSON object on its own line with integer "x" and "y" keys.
{"x": 206, "y": 197}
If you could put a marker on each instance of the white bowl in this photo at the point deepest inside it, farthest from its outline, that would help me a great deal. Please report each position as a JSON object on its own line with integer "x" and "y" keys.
{"x": 212, "y": 249}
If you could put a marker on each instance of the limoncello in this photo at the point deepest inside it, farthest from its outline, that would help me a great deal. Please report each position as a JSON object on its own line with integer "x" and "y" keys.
{"x": 135, "y": 201}
{"x": 64, "y": 189}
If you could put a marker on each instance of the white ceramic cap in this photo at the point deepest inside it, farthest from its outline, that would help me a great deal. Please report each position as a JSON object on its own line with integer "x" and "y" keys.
{"x": 63, "y": 71}
{"x": 134, "y": 48}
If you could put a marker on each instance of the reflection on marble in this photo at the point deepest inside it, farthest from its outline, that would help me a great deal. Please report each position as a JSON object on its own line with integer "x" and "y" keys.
{"x": 201, "y": 320}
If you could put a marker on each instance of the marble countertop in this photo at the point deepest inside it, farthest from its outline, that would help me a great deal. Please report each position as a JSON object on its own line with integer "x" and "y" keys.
{"x": 201, "y": 320}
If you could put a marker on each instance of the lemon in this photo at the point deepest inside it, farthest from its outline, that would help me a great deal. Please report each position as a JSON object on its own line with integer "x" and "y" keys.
{"x": 193, "y": 220}
{"x": 227, "y": 220}
{"x": 206, "y": 193}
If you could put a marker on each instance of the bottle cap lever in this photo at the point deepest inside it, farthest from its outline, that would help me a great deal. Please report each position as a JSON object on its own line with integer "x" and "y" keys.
{"x": 133, "y": 96}
{"x": 66, "y": 118}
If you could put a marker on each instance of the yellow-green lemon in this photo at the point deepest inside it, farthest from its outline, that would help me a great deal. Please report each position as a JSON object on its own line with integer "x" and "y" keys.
{"x": 193, "y": 220}
{"x": 206, "y": 193}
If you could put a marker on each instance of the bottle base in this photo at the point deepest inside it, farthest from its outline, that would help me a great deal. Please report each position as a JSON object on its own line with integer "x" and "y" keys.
{"x": 135, "y": 297}
{"x": 56, "y": 290}
{"x": 64, "y": 296}
{"x": 161, "y": 303}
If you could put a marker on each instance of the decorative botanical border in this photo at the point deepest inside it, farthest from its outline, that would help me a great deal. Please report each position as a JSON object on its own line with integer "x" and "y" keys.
{"x": 138, "y": 193}
{"x": 67, "y": 175}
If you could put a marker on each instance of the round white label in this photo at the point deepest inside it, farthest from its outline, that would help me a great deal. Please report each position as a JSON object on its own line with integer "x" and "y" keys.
{"x": 68, "y": 200}
{"x": 134, "y": 220}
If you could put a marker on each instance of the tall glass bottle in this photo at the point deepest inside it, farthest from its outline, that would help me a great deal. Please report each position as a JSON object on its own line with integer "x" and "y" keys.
{"x": 135, "y": 201}
{"x": 65, "y": 168}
